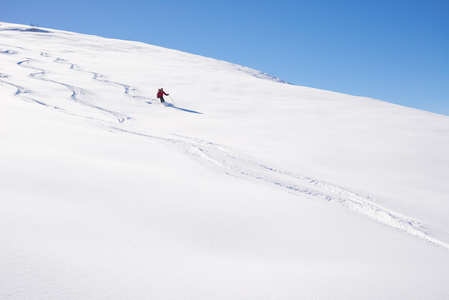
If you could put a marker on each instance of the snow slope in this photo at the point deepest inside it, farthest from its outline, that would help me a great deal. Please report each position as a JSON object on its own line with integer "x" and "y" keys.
{"x": 246, "y": 188}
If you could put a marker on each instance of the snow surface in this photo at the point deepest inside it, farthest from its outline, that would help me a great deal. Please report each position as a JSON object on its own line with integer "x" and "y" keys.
{"x": 246, "y": 188}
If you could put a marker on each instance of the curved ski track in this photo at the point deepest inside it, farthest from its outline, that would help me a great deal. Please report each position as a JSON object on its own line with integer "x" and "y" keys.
{"x": 218, "y": 157}
{"x": 77, "y": 92}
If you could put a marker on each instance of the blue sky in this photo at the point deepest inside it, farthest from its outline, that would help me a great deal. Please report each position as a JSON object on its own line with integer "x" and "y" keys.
{"x": 396, "y": 50}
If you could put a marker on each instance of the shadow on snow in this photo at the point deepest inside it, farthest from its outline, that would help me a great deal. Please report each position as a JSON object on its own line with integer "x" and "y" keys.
{"x": 182, "y": 109}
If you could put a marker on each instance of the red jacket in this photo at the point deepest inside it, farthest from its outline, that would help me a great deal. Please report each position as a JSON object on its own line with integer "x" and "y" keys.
{"x": 160, "y": 93}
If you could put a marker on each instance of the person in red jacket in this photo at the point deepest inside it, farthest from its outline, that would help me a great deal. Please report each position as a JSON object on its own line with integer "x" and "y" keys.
{"x": 160, "y": 94}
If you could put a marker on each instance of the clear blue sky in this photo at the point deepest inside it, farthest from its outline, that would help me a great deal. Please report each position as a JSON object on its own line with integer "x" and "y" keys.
{"x": 392, "y": 50}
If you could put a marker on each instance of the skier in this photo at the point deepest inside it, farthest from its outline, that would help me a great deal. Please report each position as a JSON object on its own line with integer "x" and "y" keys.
{"x": 160, "y": 94}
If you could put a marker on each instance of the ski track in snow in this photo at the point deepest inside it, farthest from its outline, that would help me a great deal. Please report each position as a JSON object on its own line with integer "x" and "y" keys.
{"x": 218, "y": 157}
{"x": 77, "y": 92}
{"x": 128, "y": 90}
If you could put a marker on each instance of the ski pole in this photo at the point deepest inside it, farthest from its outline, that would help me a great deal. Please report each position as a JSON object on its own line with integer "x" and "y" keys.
{"x": 172, "y": 99}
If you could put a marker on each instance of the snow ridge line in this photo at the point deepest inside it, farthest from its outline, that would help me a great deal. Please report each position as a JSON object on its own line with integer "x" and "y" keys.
{"x": 216, "y": 156}
{"x": 14, "y": 52}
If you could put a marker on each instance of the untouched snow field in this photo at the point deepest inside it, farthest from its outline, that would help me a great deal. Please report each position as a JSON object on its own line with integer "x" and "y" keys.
{"x": 246, "y": 188}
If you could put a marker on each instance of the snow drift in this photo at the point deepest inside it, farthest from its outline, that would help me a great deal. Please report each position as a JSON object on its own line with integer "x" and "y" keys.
{"x": 246, "y": 188}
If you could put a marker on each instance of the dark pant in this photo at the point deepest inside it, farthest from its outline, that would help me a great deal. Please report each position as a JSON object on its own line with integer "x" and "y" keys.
{"x": 162, "y": 99}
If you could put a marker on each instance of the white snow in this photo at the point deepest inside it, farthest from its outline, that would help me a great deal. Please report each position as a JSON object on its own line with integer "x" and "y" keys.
{"x": 246, "y": 188}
